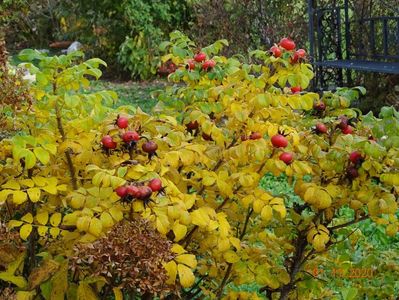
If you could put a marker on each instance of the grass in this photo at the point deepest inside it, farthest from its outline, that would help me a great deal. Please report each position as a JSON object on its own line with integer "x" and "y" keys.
{"x": 138, "y": 94}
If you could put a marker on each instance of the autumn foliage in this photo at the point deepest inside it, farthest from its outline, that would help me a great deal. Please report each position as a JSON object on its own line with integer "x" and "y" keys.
{"x": 79, "y": 179}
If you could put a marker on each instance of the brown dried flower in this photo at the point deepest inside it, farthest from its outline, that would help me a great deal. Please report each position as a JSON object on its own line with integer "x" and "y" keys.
{"x": 131, "y": 257}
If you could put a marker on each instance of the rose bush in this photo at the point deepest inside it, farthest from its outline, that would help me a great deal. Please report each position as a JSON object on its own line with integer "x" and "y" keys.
{"x": 192, "y": 169}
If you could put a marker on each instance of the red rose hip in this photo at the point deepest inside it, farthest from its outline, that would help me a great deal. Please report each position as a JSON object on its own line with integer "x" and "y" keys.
{"x": 255, "y": 136}
{"x": 279, "y": 141}
{"x": 348, "y": 130}
{"x": 355, "y": 157}
{"x": 122, "y": 122}
{"x": 275, "y": 51}
{"x": 130, "y": 136}
{"x": 286, "y": 157}
{"x": 190, "y": 64}
{"x": 150, "y": 147}
{"x": 287, "y": 44}
{"x": 192, "y": 125}
{"x": 296, "y": 89}
{"x": 132, "y": 190}
{"x": 200, "y": 57}
{"x": 155, "y": 184}
{"x": 108, "y": 142}
{"x": 209, "y": 64}
{"x": 121, "y": 191}
{"x": 321, "y": 128}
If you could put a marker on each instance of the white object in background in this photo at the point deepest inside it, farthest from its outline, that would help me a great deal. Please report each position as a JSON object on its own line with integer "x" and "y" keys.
{"x": 28, "y": 76}
{"x": 75, "y": 46}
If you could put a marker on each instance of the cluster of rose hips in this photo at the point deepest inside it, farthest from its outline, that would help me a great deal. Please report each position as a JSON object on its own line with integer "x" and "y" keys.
{"x": 356, "y": 159}
{"x": 167, "y": 68}
{"x": 193, "y": 128}
{"x": 344, "y": 125}
{"x": 139, "y": 191}
{"x": 280, "y": 141}
{"x": 200, "y": 59}
{"x": 288, "y": 45}
{"x": 299, "y": 55}
{"x": 253, "y": 136}
{"x": 129, "y": 138}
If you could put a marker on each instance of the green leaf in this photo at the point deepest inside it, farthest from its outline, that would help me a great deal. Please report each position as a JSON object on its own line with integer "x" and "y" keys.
{"x": 19, "y": 281}
{"x": 42, "y": 155}
{"x": 29, "y": 157}
{"x": 72, "y": 101}
{"x": 30, "y": 54}
{"x": 349, "y": 293}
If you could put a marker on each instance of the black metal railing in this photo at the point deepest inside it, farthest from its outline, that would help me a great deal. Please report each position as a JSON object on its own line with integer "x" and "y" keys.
{"x": 342, "y": 41}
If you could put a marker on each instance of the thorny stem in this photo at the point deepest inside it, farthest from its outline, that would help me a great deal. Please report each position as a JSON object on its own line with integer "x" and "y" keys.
{"x": 68, "y": 152}
{"x": 349, "y": 223}
{"x": 224, "y": 281}
{"x": 230, "y": 265}
{"x": 31, "y": 261}
{"x": 299, "y": 259}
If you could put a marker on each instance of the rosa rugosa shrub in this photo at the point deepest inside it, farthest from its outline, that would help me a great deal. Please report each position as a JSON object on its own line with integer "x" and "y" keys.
{"x": 192, "y": 169}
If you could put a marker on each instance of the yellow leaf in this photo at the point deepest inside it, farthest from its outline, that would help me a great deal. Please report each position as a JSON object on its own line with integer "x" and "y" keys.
{"x": 95, "y": 227}
{"x": 14, "y": 223}
{"x": 34, "y": 194}
{"x": 116, "y": 181}
{"x": 319, "y": 242}
{"x": 171, "y": 270}
{"x": 247, "y": 200}
{"x": 39, "y": 180}
{"x": 106, "y": 220}
{"x": 83, "y": 223}
{"x": 200, "y": 217}
{"x": 4, "y": 195}
{"x": 223, "y": 244}
{"x": 176, "y": 248}
{"x": 208, "y": 181}
{"x": 172, "y": 159}
{"x": 258, "y": 205}
{"x": 96, "y": 180}
{"x": 179, "y": 230}
{"x": 28, "y": 218}
{"x": 186, "y": 276}
{"x": 62, "y": 187}
{"x": 55, "y": 219}
{"x": 116, "y": 213}
{"x": 11, "y": 184}
{"x": 224, "y": 188}
{"x": 187, "y": 157}
{"x": 309, "y": 195}
{"x": 117, "y": 293}
{"x": 19, "y": 197}
{"x": 24, "y": 295}
{"x": 187, "y": 259}
{"x": 162, "y": 224}
{"x": 85, "y": 292}
{"x": 324, "y": 199}
{"x": 51, "y": 189}
{"x": 54, "y": 231}
{"x": 30, "y": 158}
{"x": 25, "y": 231}
{"x": 281, "y": 210}
{"x": 42, "y": 155}
{"x": 283, "y": 276}
{"x": 231, "y": 257}
{"x": 391, "y": 229}
{"x": 42, "y": 230}
{"x": 267, "y": 213}
{"x": 246, "y": 180}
